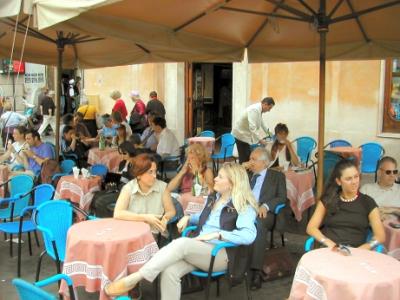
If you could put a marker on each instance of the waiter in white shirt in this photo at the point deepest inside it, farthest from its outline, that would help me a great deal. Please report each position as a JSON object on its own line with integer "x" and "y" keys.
{"x": 246, "y": 128}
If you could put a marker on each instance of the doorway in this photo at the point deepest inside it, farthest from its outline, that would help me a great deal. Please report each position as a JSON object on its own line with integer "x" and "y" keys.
{"x": 208, "y": 98}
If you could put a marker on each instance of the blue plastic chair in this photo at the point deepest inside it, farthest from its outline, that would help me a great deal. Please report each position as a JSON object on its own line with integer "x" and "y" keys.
{"x": 277, "y": 210}
{"x": 305, "y": 145}
{"x": 207, "y": 133}
{"x": 41, "y": 194}
{"x": 29, "y": 291}
{"x": 338, "y": 143}
{"x": 53, "y": 219}
{"x": 210, "y": 274}
{"x": 371, "y": 154}
{"x": 330, "y": 161}
{"x": 226, "y": 150}
{"x": 66, "y": 169}
{"x": 99, "y": 170}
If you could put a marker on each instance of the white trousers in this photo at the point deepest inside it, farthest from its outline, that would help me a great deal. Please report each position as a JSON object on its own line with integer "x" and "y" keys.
{"x": 47, "y": 120}
{"x": 178, "y": 258}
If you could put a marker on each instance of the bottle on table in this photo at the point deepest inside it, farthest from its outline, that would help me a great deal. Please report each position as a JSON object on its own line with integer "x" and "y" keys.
{"x": 196, "y": 186}
{"x": 102, "y": 142}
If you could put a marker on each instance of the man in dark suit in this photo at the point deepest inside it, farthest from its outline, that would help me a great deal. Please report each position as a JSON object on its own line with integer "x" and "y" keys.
{"x": 269, "y": 189}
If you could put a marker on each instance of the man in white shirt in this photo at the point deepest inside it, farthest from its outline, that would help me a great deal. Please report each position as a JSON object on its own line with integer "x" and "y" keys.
{"x": 385, "y": 192}
{"x": 246, "y": 128}
{"x": 167, "y": 143}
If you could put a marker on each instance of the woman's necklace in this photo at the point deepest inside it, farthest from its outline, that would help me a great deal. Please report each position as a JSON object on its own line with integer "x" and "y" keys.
{"x": 348, "y": 200}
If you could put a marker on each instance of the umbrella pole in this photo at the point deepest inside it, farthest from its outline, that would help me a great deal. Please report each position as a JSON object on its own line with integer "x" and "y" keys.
{"x": 60, "y": 50}
{"x": 322, "y": 29}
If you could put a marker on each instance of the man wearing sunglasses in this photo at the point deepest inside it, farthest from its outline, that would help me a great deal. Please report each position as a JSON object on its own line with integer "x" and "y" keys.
{"x": 385, "y": 192}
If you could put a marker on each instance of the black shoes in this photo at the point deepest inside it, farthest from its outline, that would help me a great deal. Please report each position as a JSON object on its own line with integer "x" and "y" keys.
{"x": 256, "y": 281}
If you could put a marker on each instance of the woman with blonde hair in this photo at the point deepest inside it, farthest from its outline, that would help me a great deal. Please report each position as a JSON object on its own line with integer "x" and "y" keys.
{"x": 228, "y": 216}
{"x": 119, "y": 104}
{"x": 196, "y": 163}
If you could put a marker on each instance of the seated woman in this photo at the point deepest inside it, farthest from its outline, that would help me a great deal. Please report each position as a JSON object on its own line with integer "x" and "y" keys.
{"x": 229, "y": 217}
{"x": 104, "y": 198}
{"x": 12, "y": 155}
{"x": 345, "y": 214}
{"x": 282, "y": 151}
{"x": 196, "y": 163}
{"x": 145, "y": 198}
{"x": 120, "y": 137}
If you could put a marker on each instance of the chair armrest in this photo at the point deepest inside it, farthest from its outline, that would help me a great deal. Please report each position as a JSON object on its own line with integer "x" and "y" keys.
{"x": 54, "y": 279}
{"x": 58, "y": 175}
{"x": 26, "y": 209}
{"x": 92, "y": 218}
{"x": 308, "y": 244}
{"x": 188, "y": 230}
{"x": 279, "y": 207}
{"x": 11, "y": 199}
{"x": 47, "y": 232}
{"x": 220, "y": 246}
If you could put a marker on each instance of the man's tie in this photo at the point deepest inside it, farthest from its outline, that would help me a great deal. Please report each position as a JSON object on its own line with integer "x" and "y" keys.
{"x": 254, "y": 180}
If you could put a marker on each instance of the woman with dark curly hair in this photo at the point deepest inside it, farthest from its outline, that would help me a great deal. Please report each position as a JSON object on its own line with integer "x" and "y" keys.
{"x": 344, "y": 215}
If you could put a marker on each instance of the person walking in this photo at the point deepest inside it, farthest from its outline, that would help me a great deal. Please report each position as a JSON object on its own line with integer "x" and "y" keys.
{"x": 246, "y": 128}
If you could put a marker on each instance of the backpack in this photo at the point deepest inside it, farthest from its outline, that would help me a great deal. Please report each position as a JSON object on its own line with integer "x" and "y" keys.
{"x": 49, "y": 168}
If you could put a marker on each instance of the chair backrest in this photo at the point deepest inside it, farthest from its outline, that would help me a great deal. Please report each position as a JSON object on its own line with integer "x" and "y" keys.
{"x": 55, "y": 217}
{"x": 227, "y": 144}
{"x": 29, "y": 291}
{"x": 21, "y": 184}
{"x": 42, "y": 193}
{"x": 305, "y": 145}
{"x": 339, "y": 143}
{"x": 53, "y": 150}
{"x": 67, "y": 165}
{"x": 371, "y": 154}
{"x": 207, "y": 133}
{"x": 99, "y": 170}
{"x": 330, "y": 161}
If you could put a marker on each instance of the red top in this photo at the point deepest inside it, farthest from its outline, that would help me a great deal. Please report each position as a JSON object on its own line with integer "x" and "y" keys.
{"x": 139, "y": 107}
{"x": 120, "y": 106}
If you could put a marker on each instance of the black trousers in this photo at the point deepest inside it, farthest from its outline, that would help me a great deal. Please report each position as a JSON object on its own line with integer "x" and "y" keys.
{"x": 243, "y": 150}
{"x": 260, "y": 244}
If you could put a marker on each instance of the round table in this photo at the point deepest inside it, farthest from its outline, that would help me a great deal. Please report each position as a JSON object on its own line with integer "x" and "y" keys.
{"x": 392, "y": 241}
{"x": 104, "y": 250}
{"x": 109, "y": 157}
{"x": 191, "y": 204}
{"x": 299, "y": 188}
{"x": 324, "y": 274}
{"x": 4, "y": 174}
{"x": 207, "y": 142}
{"x": 348, "y": 152}
{"x": 78, "y": 190}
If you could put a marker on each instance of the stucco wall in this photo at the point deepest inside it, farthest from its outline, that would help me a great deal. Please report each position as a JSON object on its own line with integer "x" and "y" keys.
{"x": 353, "y": 95}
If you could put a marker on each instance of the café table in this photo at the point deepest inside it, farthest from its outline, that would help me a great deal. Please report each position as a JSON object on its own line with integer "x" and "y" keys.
{"x": 364, "y": 275}
{"x": 299, "y": 188}
{"x": 78, "y": 190}
{"x": 348, "y": 152}
{"x": 4, "y": 174}
{"x": 191, "y": 204}
{"x": 207, "y": 142}
{"x": 109, "y": 157}
{"x": 103, "y": 250}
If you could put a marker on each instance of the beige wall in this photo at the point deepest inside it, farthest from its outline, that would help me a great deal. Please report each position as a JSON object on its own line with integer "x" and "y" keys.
{"x": 144, "y": 78}
{"x": 353, "y": 96}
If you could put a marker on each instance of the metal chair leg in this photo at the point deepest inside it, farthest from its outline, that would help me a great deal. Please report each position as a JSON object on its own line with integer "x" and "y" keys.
{"x": 39, "y": 265}
{"x": 283, "y": 239}
{"x": 19, "y": 256}
{"x": 246, "y": 282}
{"x": 30, "y": 243}
{"x": 217, "y": 287}
{"x": 11, "y": 245}
{"x": 208, "y": 283}
{"x": 36, "y": 238}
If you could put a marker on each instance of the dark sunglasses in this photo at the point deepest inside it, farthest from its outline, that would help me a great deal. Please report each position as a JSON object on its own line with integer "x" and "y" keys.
{"x": 388, "y": 172}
